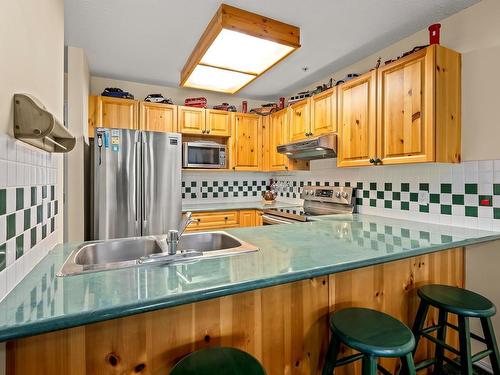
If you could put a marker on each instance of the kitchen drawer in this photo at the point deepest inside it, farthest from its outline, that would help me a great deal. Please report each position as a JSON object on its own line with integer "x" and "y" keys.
{"x": 214, "y": 220}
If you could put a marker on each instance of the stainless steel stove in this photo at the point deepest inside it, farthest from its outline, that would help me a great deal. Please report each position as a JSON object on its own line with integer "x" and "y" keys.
{"x": 318, "y": 200}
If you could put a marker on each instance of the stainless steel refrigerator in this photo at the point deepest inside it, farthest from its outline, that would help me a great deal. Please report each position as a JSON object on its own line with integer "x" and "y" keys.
{"x": 136, "y": 184}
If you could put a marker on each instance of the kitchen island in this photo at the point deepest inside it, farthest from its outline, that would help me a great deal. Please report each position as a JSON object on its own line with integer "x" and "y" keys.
{"x": 273, "y": 303}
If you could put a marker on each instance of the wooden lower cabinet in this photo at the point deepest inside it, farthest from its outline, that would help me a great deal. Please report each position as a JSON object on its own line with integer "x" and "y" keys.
{"x": 285, "y": 327}
{"x": 248, "y": 218}
{"x": 213, "y": 220}
{"x": 224, "y": 219}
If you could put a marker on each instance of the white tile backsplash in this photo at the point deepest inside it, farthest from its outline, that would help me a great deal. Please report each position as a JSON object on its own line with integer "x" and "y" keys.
{"x": 24, "y": 166}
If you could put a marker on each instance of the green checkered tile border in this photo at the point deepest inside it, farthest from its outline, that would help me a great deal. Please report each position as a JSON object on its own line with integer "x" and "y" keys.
{"x": 27, "y": 216}
{"x": 443, "y": 198}
{"x": 222, "y": 189}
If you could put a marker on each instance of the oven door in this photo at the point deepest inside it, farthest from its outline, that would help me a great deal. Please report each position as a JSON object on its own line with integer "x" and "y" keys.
{"x": 273, "y": 220}
{"x": 203, "y": 155}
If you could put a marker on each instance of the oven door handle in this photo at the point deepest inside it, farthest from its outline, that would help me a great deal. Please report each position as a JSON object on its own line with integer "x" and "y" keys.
{"x": 268, "y": 219}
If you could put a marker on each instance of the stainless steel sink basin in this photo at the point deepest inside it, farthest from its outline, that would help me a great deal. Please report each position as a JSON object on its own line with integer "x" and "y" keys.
{"x": 129, "y": 252}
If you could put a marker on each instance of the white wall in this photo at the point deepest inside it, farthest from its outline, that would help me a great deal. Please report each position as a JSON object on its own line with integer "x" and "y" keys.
{"x": 32, "y": 51}
{"x": 177, "y": 94}
{"x": 475, "y": 32}
{"x": 78, "y": 89}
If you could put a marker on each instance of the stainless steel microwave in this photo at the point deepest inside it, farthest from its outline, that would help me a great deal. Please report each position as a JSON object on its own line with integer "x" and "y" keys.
{"x": 203, "y": 154}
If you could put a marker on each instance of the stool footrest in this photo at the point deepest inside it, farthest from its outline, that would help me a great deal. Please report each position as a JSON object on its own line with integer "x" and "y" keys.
{"x": 348, "y": 359}
{"x": 383, "y": 370}
{"x": 441, "y": 343}
{"x": 478, "y": 356}
{"x": 423, "y": 364}
{"x": 473, "y": 335}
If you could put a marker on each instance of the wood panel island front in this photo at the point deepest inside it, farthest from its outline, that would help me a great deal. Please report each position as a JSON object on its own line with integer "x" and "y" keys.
{"x": 282, "y": 321}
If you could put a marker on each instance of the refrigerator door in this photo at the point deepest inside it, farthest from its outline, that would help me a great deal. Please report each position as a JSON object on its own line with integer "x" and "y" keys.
{"x": 116, "y": 209}
{"x": 161, "y": 184}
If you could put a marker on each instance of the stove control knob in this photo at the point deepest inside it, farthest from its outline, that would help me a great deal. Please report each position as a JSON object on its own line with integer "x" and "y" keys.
{"x": 337, "y": 194}
{"x": 344, "y": 195}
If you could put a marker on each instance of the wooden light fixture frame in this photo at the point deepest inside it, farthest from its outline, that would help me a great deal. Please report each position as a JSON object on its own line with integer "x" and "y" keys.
{"x": 235, "y": 19}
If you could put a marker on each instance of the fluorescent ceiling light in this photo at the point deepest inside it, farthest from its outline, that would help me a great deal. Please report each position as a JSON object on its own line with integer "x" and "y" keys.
{"x": 244, "y": 53}
{"x": 237, "y": 47}
{"x": 215, "y": 79}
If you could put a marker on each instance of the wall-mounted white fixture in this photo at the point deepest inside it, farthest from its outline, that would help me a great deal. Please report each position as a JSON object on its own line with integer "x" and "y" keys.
{"x": 34, "y": 125}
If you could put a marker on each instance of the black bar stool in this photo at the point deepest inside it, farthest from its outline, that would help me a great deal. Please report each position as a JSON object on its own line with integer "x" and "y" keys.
{"x": 373, "y": 334}
{"x": 465, "y": 304}
{"x": 218, "y": 361}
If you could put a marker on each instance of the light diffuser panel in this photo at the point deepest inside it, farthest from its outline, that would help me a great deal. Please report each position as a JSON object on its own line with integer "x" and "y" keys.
{"x": 244, "y": 53}
{"x": 210, "y": 78}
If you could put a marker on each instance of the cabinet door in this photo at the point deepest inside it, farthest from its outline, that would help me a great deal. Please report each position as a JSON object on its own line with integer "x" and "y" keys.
{"x": 278, "y": 135}
{"x": 218, "y": 122}
{"x": 299, "y": 120}
{"x": 248, "y": 218}
{"x": 247, "y": 142}
{"x": 158, "y": 117}
{"x": 258, "y": 218}
{"x": 191, "y": 120}
{"x": 357, "y": 121}
{"x": 405, "y": 109}
{"x": 324, "y": 112}
{"x": 116, "y": 113}
{"x": 213, "y": 220}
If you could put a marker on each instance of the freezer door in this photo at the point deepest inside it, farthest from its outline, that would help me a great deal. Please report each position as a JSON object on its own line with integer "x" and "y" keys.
{"x": 117, "y": 211}
{"x": 161, "y": 184}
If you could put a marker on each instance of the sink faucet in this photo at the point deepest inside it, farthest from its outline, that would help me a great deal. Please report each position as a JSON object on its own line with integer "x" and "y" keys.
{"x": 174, "y": 236}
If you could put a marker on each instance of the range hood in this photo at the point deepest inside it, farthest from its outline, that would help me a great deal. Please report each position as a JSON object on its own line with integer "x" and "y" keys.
{"x": 320, "y": 147}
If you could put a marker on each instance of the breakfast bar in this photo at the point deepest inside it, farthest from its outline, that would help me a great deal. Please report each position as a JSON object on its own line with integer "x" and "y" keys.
{"x": 273, "y": 303}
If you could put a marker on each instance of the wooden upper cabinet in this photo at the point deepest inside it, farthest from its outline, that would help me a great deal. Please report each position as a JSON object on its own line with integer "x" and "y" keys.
{"x": 191, "y": 120}
{"x": 299, "y": 120}
{"x": 405, "y": 109}
{"x": 108, "y": 112}
{"x": 357, "y": 121}
{"x": 418, "y": 116}
{"x": 324, "y": 112}
{"x": 158, "y": 117}
{"x": 247, "y": 142}
{"x": 218, "y": 123}
{"x": 278, "y": 135}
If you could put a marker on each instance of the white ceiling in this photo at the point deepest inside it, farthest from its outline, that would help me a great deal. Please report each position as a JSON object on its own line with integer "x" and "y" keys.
{"x": 150, "y": 40}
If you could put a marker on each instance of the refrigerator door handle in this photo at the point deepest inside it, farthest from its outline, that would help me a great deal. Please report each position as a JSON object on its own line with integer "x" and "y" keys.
{"x": 137, "y": 181}
{"x": 144, "y": 176}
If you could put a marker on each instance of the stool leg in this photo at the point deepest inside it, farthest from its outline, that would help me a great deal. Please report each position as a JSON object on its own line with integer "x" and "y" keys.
{"x": 369, "y": 366}
{"x": 419, "y": 322}
{"x": 491, "y": 343}
{"x": 465, "y": 351}
{"x": 331, "y": 356}
{"x": 408, "y": 366}
{"x": 441, "y": 335}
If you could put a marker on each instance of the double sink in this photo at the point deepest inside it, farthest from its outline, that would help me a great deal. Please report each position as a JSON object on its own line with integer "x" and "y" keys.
{"x": 129, "y": 252}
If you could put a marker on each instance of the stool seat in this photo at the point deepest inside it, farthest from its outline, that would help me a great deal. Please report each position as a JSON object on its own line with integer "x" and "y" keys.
{"x": 372, "y": 332}
{"x": 457, "y": 301}
{"x": 218, "y": 361}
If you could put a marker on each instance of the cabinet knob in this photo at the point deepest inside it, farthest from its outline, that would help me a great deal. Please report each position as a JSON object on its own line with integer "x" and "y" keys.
{"x": 372, "y": 160}
{"x": 225, "y": 218}
{"x": 377, "y": 161}
{"x": 203, "y": 131}
{"x": 298, "y": 113}
{"x": 208, "y": 131}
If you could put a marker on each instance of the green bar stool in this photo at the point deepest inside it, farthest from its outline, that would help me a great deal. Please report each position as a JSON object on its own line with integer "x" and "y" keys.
{"x": 218, "y": 361}
{"x": 465, "y": 304}
{"x": 373, "y": 334}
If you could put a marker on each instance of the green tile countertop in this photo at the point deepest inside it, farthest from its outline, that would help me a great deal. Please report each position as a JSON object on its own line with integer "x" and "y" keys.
{"x": 216, "y": 206}
{"x": 43, "y": 302}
